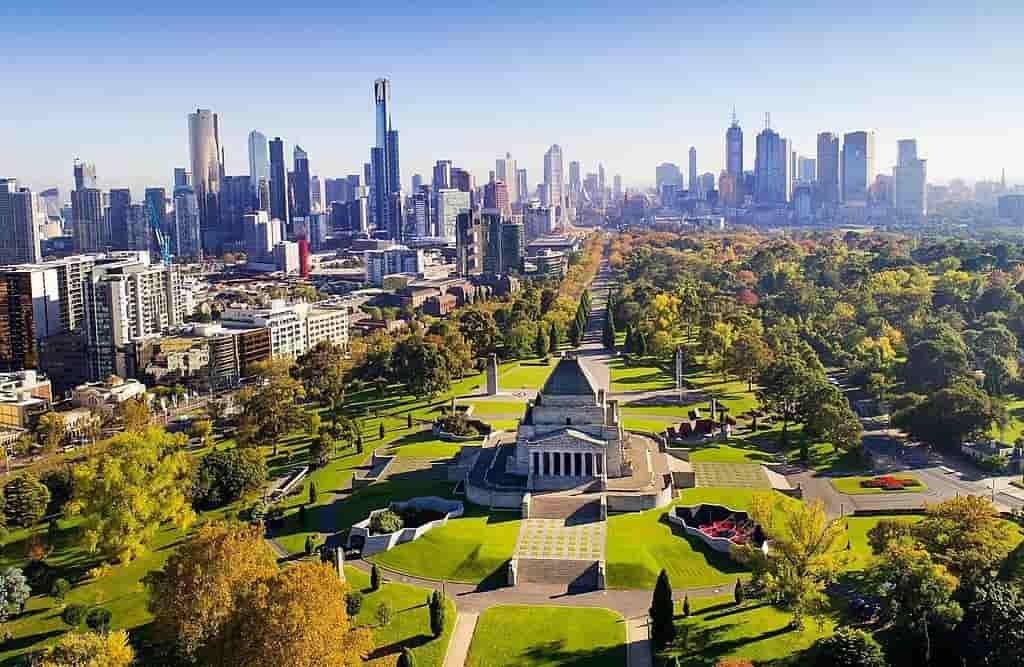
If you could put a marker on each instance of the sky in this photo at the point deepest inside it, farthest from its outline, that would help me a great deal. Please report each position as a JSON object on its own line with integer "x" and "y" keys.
{"x": 630, "y": 85}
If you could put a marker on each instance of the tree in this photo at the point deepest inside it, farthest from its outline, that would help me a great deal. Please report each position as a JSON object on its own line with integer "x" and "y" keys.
{"x": 747, "y": 356}
{"x": 420, "y": 366}
{"x": 125, "y": 495}
{"x": 540, "y": 343}
{"x": 554, "y": 338}
{"x": 313, "y": 423}
{"x": 784, "y": 384}
{"x": 385, "y": 612}
{"x": 965, "y": 535}
{"x": 738, "y": 593}
{"x": 375, "y": 579}
{"x": 14, "y": 592}
{"x": 98, "y": 620}
{"x": 380, "y": 429}
{"x": 353, "y": 603}
{"x": 86, "y": 649}
{"x": 224, "y": 477}
{"x": 887, "y": 531}
{"x": 60, "y": 589}
{"x": 575, "y": 333}
{"x": 686, "y": 606}
{"x": 992, "y": 629}
{"x": 437, "y": 614}
{"x": 917, "y": 591}
{"x": 662, "y": 613}
{"x": 296, "y": 618}
{"x": 310, "y": 545}
{"x": 135, "y": 414}
{"x": 25, "y": 501}
{"x": 319, "y": 449}
{"x": 949, "y": 416}
{"x": 640, "y": 344}
{"x": 830, "y": 418}
{"x": 480, "y": 331}
{"x": 195, "y": 596}
{"x": 851, "y": 647}
{"x": 201, "y": 429}
{"x": 322, "y": 372}
{"x": 936, "y": 362}
{"x": 50, "y": 430}
{"x": 608, "y": 335}
{"x": 807, "y": 552}
{"x": 312, "y": 492}
{"x": 274, "y": 405}
{"x": 406, "y": 659}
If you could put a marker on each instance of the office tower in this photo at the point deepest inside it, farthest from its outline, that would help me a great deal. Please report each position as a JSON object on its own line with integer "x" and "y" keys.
{"x": 600, "y": 182}
{"x": 771, "y": 167}
{"x": 357, "y": 214}
{"x": 828, "y": 168}
{"x": 617, "y": 187}
{"x": 470, "y": 244}
{"x": 537, "y": 220}
{"x": 506, "y": 171}
{"x": 575, "y": 182}
{"x": 667, "y": 173}
{"x": 734, "y": 149}
{"x": 513, "y": 246}
{"x": 450, "y": 205}
{"x": 155, "y": 204}
{"x": 910, "y": 181}
{"x": 417, "y": 182}
{"x": 260, "y": 235}
{"x": 259, "y": 160}
{"x": 185, "y": 238}
{"x": 182, "y": 178}
{"x": 207, "y": 170}
{"x": 522, "y": 186}
{"x": 806, "y": 169}
{"x": 692, "y": 184}
{"x": 394, "y": 186}
{"x": 462, "y": 180}
{"x": 301, "y": 183}
{"x": 442, "y": 175}
{"x": 554, "y": 179}
{"x": 378, "y": 187}
{"x": 496, "y": 197}
{"x": 316, "y": 194}
{"x": 236, "y": 199}
{"x": 85, "y": 175}
{"x": 490, "y": 220}
{"x": 19, "y": 225}
{"x": 423, "y": 213}
{"x": 336, "y": 190}
{"x": 117, "y": 218}
{"x": 89, "y": 224}
{"x": 279, "y": 208}
{"x": 857, "y": 166}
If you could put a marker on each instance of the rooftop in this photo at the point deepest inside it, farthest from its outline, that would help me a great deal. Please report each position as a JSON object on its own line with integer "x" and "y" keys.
{"x": 570, "y": 378}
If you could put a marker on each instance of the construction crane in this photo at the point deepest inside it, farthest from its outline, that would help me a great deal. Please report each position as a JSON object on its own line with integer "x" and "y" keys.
{"x": 162, "y": 241}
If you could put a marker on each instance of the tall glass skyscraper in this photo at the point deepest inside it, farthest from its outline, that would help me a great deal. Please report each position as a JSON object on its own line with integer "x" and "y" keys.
{"x": 772, "y": 182}
{"x": 301, "y": 183}
{"x": 259, "y": 160}
{"x": 858, "y": 164}
{"x": 385, "y": 165}
{"x": 734, "y": 150}
{"x": 828, "y": 168}
{"x": 207, "y": 171}
{"x": 278, "y": 182}
{"x": 554, "y": 179}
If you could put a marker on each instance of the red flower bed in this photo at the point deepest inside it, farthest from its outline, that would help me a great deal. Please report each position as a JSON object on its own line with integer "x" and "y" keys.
{"x": 889, "y": 483}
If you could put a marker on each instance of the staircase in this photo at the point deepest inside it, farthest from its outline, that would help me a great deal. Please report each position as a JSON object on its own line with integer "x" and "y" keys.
{"x": 573, "y": 574}
{"x": 575, "y": 509}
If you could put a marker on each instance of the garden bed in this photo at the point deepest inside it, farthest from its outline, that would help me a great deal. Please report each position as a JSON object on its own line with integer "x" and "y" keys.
{"x": 415, "y": 517}
{"x": 880, "y": 484}
{"x": 718, "y": 526}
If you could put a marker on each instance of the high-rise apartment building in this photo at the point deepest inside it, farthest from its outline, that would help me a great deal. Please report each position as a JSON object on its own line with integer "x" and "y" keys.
{"x": 828, "y": 168}
{"x": 259, "y": 160}
{"x": 772, "y": 182}
{"x": 470, "y": 244}
{"x": 523, "y": 186}
{"x": 117, "y": 218}
{"x": 554, "y": 180}
{"x": 734, "y": 150}
{"x": 279, "y": 200}
{"x": 575, "y": 178}
{"x": 857, "y": 166}
{"x": 910, "y": 181}
{"x": 89, "y": 222}
{"x": 237, "y": 198}
{"x": 496, "y": 197}
{"x": 617, "y": 187}
{"x": 19, "y": 224}
{"x": 423, "y": 211}
{"x": 386, "y": 170}
{"x": 207, "y": 172}
{"x": 451, "y": 204}
{"x": 693, "y": 184}
{"x": 185, "y": 238}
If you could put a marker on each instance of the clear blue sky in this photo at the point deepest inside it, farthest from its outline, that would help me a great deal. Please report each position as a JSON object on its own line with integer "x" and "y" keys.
{"x": 629, "y": 84}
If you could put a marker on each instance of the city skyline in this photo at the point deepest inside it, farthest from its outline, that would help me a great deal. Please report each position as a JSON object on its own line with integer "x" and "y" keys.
{"x": 138, "y": 137}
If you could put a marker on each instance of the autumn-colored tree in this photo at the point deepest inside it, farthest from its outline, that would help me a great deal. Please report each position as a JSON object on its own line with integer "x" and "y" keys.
{"x": 274, "y": 406}
{"x": 135, "y": 414}
{"x": 201, "y": 429}
{"x": 297, "y": 618}
{"x": 90, "y": 649}
{"x": 125, "y": 495}
{"x": 195, "y": 596}
{"x": 50, "y": 430}
{"x": 964, "y": 534}
{"x": 322, "y": 372}
{"x": 25, "y": 500}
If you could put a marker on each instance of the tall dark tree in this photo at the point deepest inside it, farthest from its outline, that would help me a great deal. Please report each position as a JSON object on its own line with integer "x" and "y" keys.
{"x": 554, "y": 339}
{"x": 662, "y": 612}
{"x": 437, "y": 613}
{"x": 26, "y": 499}
{"x": 608, "y": 335}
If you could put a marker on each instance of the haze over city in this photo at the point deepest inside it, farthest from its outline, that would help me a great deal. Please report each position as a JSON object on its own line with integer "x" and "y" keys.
{"x": 615, "y": 84}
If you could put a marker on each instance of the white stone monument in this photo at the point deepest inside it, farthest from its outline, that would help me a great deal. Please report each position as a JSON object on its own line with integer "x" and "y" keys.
{"x": 492, "y": 375}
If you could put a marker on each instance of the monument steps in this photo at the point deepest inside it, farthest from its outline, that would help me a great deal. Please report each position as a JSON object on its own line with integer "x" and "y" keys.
{"x": 559, "y": 506}
{"x": 573, "y": 574}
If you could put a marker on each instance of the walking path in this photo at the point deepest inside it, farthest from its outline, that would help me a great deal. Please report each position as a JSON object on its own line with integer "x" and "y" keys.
{"x": 638, "y": 642}
{"x": 462, "y": 637}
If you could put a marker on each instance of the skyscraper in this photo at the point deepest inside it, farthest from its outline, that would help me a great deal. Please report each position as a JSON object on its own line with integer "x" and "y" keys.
{"x": 301, "y": 183}
{"x": 182, "y": 178}
{"x": 806, "y": 171}
{"x": 89, "y": 226}
{"x": 617, "y": 187}
{"x": 496, "y": 197}
{"x": 693, "y": 185}
{"x": 85, "y": 175}
{"x": 117, "y": 218}
{"x": 667, "y": 173}
{"x": 384, "y": 160}
{"x": 734, "y": 150}
{"x": 910, "y": 181}
{"x": 450, "y": 205}
{"x": 772, "y": 181}
{"x": 19, "y": 226}
{"x": 279, "y": 208}
{"x": 259, "y": 160}
{"x": 828, "y": 168}
{"x": 522, "y": 186}
{"x": 207, "y": 171}
{"x": 600, "y": 183}
{"x": 442, "y": 175}
{"x": 575, "y": 182}
{"x": 554, "y": 179}
{"x": 858, "y": 166}
{"x": 505, "y": 171}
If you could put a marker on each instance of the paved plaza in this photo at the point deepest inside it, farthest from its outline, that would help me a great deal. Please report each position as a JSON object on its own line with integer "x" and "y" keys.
{"x": 555, "y": 539}
{"x": 745, "y": 475}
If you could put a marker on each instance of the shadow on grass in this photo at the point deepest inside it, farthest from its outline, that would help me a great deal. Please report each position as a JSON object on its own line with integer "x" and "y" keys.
{"x": 556, "y": 653}
{"x": 395, "y": 648}
{"x": 720, "y": 561}
{"x": 697, "y": 645}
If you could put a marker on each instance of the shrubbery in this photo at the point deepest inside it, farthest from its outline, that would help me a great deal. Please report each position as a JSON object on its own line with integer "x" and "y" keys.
{"x": 386, "y": 521}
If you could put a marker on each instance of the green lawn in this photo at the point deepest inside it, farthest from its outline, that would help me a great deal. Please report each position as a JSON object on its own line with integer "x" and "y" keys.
{"x": 410, "y": 626}
{"x": 857, "y": 530}
{"x": 756, "y": 631}
{"x": 510, "y": 635}
{"x": 638, "y": 377}
{"x": 483, "y": 408}
{"x": 424, "y": 445}
{"x": 472, "y": 548}
{"x": 640, "y": 544}
{"x": 851, "y": 485}
{"x": 735, "y": 451}
{"x": 525, "y": 375}
{"x": 1015, "y": 424}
